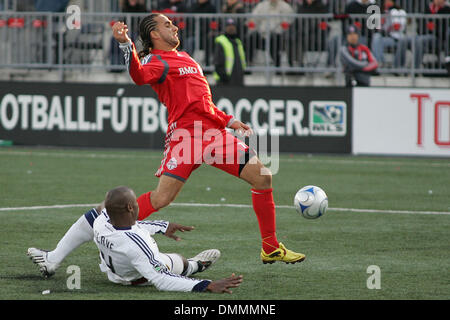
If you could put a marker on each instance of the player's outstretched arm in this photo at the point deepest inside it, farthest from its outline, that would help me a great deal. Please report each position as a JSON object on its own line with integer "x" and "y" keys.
{"x": 173, "y": 227}
{"x": 224, "y": 285}
{"x": 139, "y": 73}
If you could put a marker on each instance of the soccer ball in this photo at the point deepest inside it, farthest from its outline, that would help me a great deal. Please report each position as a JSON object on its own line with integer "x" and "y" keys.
{"x": 311, "y": 202}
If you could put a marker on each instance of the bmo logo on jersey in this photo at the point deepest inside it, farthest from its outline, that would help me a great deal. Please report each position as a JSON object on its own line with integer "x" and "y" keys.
{"x": 187, "y": 70}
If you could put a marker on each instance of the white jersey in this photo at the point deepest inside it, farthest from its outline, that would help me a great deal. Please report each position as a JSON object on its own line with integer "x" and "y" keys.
{"x": 129, "y": 254}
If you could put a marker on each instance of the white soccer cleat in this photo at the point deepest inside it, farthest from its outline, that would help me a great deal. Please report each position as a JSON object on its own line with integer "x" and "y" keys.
{"x": 39, "y": 257}
{"x": 206, "y": 258}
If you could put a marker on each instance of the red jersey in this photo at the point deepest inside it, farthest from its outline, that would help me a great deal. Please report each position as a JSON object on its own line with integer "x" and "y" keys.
{"x": 360, "y": 53}
{"x": 179, "y": 82}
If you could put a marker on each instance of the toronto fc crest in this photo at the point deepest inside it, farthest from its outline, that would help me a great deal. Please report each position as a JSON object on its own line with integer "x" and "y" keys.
{"x": 172, "y": 164}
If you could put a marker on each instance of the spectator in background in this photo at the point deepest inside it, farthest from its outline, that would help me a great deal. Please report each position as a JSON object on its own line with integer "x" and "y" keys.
{"x": 40, "y": 54}
{"x": 438, "y": 7}
{"x": 233, "y": 6}
{"x": 433, "y": 33}
{"x": 357, "y": 60}
{"x": 236, "y": 7}
{"x": 51, "y": 5}
{"x": 229, "y": 57}
{"x": 206, "y": 34}
{"x": 133, "y": 6}
{"x": 312, "y": 31}
{"x": 172, "y": 6}
{"x": 354, "y": 7}
{"x": 359, "y": 7}
{"x": 447, "y": 64}
{"x": 203, "y": 6}
{"x": 275, "y": 29}
{"x": 392, "y": 35}
{"x": 312, "y": 6}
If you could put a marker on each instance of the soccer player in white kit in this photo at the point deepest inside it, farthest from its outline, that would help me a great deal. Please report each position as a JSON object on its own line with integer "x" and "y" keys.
{"x": 129, "y": 254}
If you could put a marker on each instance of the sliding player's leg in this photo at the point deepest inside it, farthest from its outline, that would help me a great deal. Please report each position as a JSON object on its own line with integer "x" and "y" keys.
{"x": 79, "y": 233}
{"x": 178, "y": 264}
{"x": 82, "y": 230}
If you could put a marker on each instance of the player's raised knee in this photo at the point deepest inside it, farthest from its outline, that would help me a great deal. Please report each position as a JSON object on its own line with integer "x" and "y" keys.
{"x": 257, "y": 175}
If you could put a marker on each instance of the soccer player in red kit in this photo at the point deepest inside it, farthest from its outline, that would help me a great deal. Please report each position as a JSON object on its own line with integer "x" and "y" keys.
{"x": 195, "y": 127}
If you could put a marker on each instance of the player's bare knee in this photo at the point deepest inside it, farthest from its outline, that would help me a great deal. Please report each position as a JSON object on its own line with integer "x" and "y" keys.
{"x": 257, "y": 175}
{"x": 263, "y": 180}
{"x": 266, "y": 176}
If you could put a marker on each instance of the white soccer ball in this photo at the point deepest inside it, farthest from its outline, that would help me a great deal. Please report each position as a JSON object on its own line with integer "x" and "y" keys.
{"x": 311, "y": 202}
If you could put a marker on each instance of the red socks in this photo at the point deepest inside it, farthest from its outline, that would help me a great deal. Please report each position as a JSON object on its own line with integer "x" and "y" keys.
{"x": 145, "y": 206}
{"x": 265, "y": 212}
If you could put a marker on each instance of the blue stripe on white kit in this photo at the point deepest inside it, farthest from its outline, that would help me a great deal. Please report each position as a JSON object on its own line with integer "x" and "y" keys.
{"x": 158, "y": 223}
{"x": 145, "y": 248}
{"x": 90, "y": 216}
{"x": 149, "y": 253}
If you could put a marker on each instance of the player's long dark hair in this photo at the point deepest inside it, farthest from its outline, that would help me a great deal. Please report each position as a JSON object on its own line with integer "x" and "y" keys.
{"x": 147, "y": 25}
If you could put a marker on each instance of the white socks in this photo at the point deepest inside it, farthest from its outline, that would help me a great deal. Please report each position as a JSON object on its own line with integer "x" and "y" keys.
{"x": 191, "y": 269}
{"x": 80, "y": 232}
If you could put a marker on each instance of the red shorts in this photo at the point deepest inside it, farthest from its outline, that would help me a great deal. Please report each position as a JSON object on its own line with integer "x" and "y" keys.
{"x": 185, "y": 151}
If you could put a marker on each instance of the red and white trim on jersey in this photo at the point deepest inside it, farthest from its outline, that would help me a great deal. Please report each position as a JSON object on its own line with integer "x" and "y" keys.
{"x": 167, "y": 140}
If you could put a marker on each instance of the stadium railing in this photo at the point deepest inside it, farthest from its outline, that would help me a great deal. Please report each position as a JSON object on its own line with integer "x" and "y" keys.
{"x": 334, "y": 6}
{"x": 274, "y": 43}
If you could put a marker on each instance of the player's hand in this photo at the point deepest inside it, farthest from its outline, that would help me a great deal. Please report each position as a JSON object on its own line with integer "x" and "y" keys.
{"x": 224, "y": 285}
{"x": 174, "y": 227}
{"x": 241, "y": 128}
{"x": 120, "y": 30}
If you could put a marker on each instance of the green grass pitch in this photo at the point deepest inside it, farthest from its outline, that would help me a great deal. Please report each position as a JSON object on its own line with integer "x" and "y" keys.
{"x": 411, "y": 249}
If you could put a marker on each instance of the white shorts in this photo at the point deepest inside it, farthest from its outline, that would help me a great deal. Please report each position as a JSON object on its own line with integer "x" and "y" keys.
{"x": 173, "y": 262}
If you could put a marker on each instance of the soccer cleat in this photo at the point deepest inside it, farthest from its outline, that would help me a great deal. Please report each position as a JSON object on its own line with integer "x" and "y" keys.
{"x": 282, "y": 254}
{"x": 39, "y": 257}
{"x": 206, "y": 258}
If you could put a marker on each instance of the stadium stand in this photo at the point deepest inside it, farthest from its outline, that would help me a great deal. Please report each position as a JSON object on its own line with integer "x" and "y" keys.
{"x": 307, "y": 44}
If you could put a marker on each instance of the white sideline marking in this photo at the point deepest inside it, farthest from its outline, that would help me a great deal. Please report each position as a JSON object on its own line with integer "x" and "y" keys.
{"x": 295, "y": 160}
{"x": 55, "y": 206}
{"x": 226, "y": 205}
{"x": 292, "y": 207}
{"x": 77, "y": 155}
